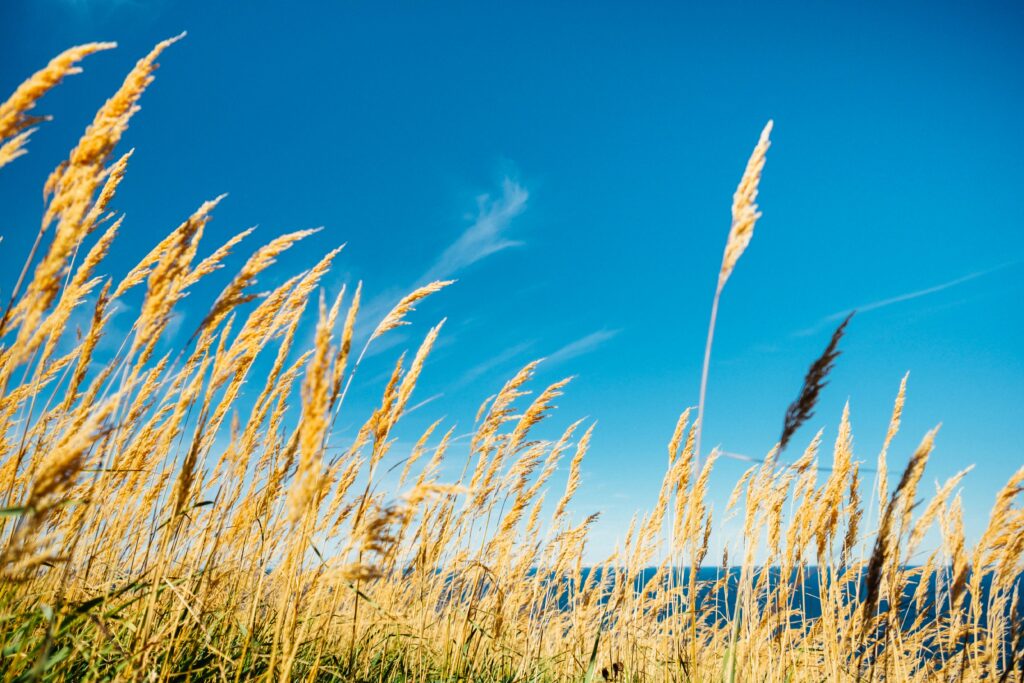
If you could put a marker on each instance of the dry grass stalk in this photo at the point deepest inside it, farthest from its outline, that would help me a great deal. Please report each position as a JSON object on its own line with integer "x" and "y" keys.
{"x": 744, "y": 217}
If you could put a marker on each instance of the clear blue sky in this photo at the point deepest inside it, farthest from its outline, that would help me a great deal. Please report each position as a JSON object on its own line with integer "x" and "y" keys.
{"x": 572, "y": 165}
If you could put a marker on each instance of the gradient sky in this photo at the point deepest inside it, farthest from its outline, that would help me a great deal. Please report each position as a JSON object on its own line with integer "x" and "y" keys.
{"x": 573, "y": 166}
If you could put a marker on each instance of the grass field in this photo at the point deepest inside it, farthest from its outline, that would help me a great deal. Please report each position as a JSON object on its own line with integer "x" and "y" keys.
{"x": 177, "y": 515}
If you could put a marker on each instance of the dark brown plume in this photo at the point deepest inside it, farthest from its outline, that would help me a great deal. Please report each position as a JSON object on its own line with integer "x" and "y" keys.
{"x": 802, "y": 409}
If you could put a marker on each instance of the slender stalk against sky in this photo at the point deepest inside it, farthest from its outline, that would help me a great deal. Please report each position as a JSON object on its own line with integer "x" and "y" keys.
{"x": 704, "y": 376}
{"x": 744, "y": 216}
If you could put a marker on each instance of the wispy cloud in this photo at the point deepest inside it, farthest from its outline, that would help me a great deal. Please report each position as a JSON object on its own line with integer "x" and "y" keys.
{"x": 900, "y": 298}
{"x": 490, "y": 364}
{"x": 422, "y": 403}
{"x": 581, "y": 346}
{"x": 486, "y": 235}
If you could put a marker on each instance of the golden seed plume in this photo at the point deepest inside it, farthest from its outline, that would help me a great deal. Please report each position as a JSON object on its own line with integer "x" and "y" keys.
{"x": 744, "y": 207}
{"x": 396, "y": 317}
{"x": 14, "y": 117}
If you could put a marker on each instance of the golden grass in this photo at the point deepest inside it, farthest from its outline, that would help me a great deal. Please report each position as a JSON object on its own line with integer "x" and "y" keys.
{"x": 160, "y": 525}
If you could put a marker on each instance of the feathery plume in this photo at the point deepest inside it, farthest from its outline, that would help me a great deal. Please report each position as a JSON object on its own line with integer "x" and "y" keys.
{"x": 14, "y": 119}
{"x": 313, "y": 425}
{"x": 744, "y": 216}
{"x": 802, "y": 409}
{"x": 573, "y": 482}
{"x": 234, "y": 294}
{"x": 744, "y": 208}
{"x": 396, "y": 317}
{"x": 894, "y": 427}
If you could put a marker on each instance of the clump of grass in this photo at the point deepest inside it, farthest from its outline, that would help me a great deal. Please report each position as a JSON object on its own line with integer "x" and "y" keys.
{"x": 195, "y": 516}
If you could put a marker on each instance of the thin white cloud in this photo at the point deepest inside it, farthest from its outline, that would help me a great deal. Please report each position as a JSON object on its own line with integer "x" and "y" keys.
{"x": 882, "y": 303}
{"x": 486, "y": 235}
{"x": 581, "y": 346}
{"x": 900, "y": 298}
{"x": 422, "y": 403}
{"x": 491, "y": 363}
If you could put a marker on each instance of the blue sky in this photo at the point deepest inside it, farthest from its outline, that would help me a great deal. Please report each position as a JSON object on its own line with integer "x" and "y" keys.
{"x": 572, "y": 165}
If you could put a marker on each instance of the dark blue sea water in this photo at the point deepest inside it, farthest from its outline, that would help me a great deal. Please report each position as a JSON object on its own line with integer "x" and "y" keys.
{"x": 721, "y": 603}
{"x": 716, "y": 600}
